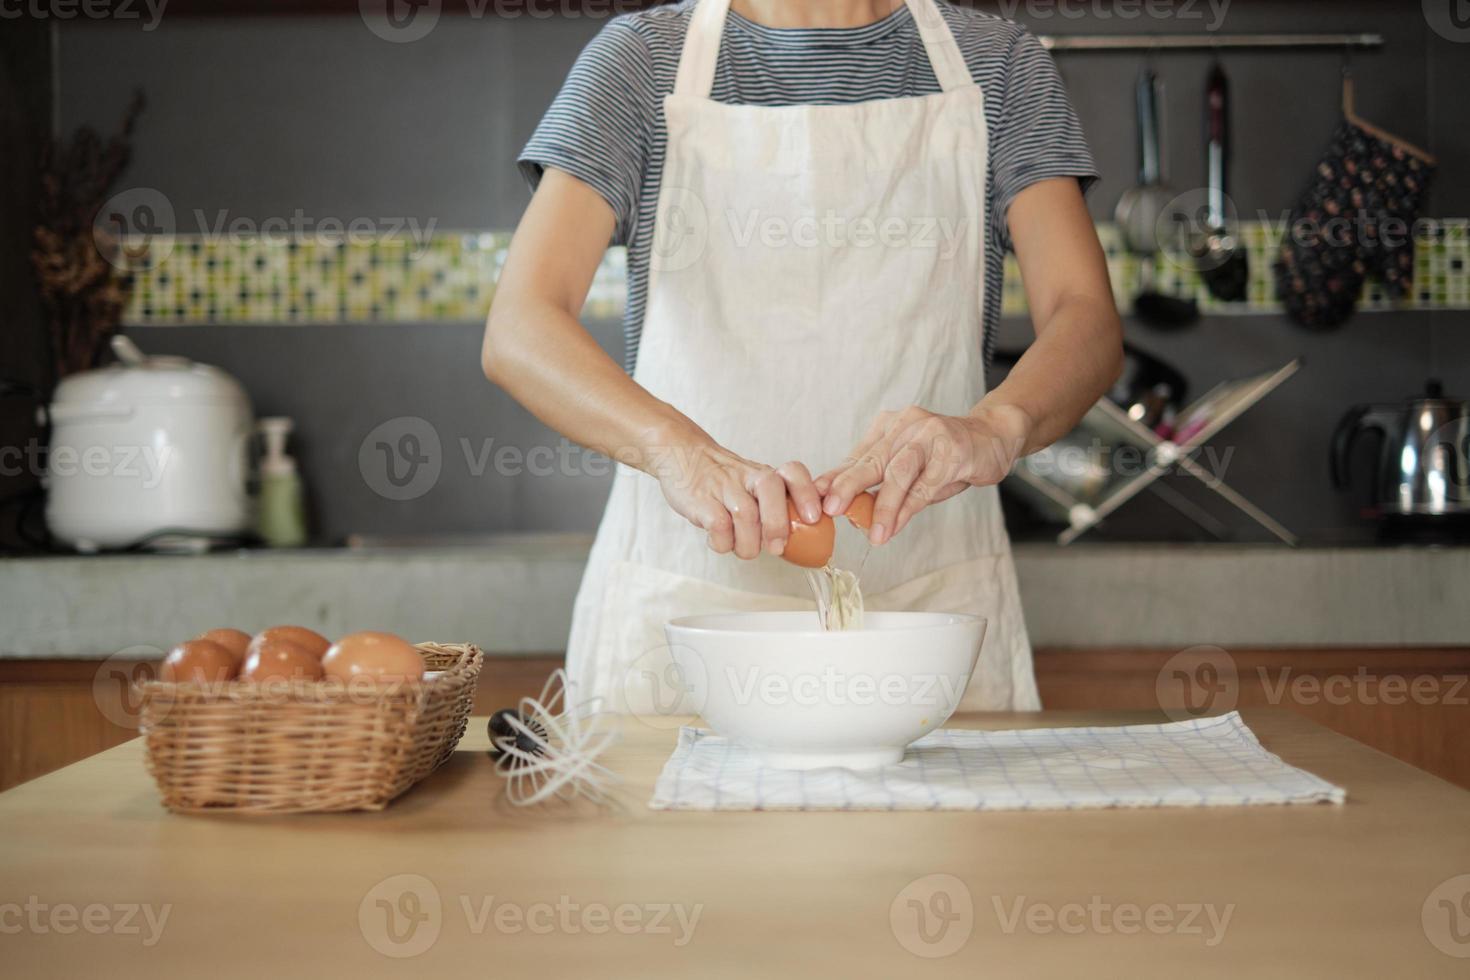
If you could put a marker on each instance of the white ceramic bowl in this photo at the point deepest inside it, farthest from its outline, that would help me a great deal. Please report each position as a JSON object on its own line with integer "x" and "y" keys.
{"x": 805, "y": 698}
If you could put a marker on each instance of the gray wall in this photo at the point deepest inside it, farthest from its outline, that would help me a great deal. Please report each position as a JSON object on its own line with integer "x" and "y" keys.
{"x": 264, "y": 117}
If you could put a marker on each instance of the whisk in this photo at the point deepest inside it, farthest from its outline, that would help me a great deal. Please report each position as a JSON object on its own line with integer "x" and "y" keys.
{"x": 549, "y": 746}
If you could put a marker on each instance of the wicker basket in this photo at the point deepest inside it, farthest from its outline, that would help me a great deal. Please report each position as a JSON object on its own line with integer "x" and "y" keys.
{"x": 305, "y": 746}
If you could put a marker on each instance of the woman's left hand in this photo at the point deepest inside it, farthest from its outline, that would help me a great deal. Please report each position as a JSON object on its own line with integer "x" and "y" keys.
{"x": 916, "y": 458}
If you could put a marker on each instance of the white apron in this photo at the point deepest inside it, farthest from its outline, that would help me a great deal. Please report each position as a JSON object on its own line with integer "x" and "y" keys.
{"x": 812, "y": 265}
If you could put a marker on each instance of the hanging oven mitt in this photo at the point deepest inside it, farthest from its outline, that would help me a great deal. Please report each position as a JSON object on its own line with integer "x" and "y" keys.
{"x": 1355, "y": 219}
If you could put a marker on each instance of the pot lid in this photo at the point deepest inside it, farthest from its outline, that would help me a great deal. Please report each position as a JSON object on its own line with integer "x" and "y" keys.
{"x": 151, "y": 381}
{"x": 1434, "y": 393}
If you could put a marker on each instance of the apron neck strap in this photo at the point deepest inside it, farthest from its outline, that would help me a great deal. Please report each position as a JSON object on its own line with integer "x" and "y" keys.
{"x": 944, "y": 54}
{"x": 696, "y": 75}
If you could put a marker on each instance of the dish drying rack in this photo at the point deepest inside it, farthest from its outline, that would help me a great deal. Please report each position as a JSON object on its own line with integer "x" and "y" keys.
{"x": 1112, "y": 427}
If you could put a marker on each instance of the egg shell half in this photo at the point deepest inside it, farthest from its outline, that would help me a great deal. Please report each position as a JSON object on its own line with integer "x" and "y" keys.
{"x": 809, "y": 545}
{"x": 860, "y": 511}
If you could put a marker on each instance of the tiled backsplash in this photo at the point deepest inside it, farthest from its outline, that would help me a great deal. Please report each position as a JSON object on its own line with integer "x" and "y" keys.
{"x": 450, "y": 276}
{"x": 447, "y": 277}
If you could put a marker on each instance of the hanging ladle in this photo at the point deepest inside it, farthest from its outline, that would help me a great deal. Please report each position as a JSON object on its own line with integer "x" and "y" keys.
{"x": 1141, "y": 208}
{"x": 1217, "y": 252}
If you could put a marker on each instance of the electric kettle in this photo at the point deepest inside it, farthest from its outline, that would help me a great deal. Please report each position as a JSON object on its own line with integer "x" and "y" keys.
{"x": 152, "y": 451}
{"x": 1424, "y": 460}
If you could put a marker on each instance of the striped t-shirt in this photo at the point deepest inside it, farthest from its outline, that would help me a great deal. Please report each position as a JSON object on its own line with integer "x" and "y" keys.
{"x": 606, "y": 126}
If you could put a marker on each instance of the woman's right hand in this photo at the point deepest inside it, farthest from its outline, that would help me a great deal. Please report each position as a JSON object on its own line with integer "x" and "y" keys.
{"x": 537, "y": 350}
{"x": 741, "y": 505}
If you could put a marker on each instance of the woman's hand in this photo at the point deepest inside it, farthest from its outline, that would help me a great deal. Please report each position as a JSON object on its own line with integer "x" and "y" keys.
{"x": 740, "y": 504}
{"x": 536, "y": 349}
{"x": 917, "y": 458}
{"x": 920, "y": 458}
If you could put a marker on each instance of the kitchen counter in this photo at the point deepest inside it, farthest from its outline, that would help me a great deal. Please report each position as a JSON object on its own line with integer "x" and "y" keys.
{"x": 1362, "y": 889}
{"x": 513, "y": 595}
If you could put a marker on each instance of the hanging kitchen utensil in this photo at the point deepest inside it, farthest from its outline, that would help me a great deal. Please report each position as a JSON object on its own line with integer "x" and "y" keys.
{"x": 1217, "y": 252}
{"x": 1140, "y": 208}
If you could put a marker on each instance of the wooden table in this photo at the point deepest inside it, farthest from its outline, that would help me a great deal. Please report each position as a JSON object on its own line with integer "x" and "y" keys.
{"x": 1364, "y": 889}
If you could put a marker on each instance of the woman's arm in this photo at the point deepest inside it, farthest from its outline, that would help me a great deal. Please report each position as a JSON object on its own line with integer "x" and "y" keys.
{"x": 536, "y": 350}
{"x": 917, "y": 458}
{"x": 1078, "y": 351}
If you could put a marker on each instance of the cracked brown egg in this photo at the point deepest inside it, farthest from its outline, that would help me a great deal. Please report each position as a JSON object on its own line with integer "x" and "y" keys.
{"x": 810, "y": 545}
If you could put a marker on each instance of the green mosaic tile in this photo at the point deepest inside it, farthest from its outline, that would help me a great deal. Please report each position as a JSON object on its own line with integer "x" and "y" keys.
{"x": 451, "y": 276}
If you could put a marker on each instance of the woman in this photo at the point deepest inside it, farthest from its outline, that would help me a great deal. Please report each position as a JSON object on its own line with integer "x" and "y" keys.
{"x": 816, "y": 198}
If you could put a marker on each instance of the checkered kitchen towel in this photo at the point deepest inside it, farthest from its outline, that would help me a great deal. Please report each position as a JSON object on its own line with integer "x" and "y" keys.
{"x": 1202, "y": 762}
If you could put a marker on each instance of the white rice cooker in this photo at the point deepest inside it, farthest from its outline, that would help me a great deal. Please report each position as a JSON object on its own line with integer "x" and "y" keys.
{"x": 153, "y": 451}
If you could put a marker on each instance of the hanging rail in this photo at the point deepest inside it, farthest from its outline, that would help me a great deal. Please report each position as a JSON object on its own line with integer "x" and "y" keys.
{"x": 1205, "y": 42}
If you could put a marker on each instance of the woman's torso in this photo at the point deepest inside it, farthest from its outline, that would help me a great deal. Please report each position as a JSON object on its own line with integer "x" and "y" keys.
{"x": 607, "y": 126}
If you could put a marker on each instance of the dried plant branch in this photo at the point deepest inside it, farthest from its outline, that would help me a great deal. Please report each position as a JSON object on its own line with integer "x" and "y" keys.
{"x": 83, "y": 293}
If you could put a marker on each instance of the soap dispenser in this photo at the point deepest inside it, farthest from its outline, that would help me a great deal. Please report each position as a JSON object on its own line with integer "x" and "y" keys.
{"x": 282, "y": 516}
